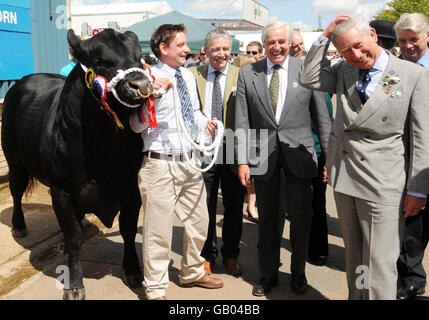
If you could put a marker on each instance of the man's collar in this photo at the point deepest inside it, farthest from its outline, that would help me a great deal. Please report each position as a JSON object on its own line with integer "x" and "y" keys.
{"x": 223, "y": 70}
{"x": 166, "y": 68}
{"x": 284, "y": 65}
{"x": 424, "y": 61}
{"x": 382, "y": 61}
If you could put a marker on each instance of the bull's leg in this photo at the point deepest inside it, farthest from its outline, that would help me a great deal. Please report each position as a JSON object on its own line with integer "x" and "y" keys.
{"x": 18, "y": 182}
{"x": 72, "y": 229}
{"x": 128, "y": 219}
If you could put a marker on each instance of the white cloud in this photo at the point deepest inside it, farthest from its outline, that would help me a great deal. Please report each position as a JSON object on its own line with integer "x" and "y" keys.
{"x": 362, "y": 9}
{"x": 217, "y": 8}
{"x": 302, "y": 26}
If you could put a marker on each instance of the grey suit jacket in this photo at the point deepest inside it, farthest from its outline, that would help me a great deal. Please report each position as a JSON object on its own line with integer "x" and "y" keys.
{"x": 378, "y": 150}
{"x": 292, "y": 135}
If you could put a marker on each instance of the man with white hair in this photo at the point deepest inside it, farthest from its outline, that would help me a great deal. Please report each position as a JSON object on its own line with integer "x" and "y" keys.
{"x": 215, "y": 83}
{"x": 270, "y": 100}
{"x": 297, "y": 43}
{"x": 378, "y": 152}
{"x": 412, "y": 30}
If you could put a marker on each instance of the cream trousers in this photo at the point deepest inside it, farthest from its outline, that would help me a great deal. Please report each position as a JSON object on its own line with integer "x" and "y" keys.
{"x": 168, "y": 187}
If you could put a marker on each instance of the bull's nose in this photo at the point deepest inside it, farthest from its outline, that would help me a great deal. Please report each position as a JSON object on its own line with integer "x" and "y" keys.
{"x": 143, "y": 86}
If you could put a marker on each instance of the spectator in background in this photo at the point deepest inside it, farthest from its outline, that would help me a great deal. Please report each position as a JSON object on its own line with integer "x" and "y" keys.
{"x": 412, "y": 31}
{"x": 385, "y": 34}
{"x": 297, "y": 43}
{"x": 318, "y": 243}
{"x": 242, "y": 60}
{"x": 255, "y": 48}
{"x": 193, "y": 60}
{"x": 65, "y": 71}
{"x": 203, "y": 56}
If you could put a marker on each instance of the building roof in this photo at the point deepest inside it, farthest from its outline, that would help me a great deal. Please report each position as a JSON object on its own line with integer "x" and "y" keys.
{"x": 121, "y": 8}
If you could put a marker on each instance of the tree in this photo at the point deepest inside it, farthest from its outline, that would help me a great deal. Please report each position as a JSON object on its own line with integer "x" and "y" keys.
{"x": 398, "y": 7}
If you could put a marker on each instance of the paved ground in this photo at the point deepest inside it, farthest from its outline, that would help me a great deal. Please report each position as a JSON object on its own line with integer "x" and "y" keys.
{"x": 28, "y": 266}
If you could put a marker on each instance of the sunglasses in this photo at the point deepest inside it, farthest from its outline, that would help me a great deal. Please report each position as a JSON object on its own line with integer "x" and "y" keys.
{"x": 252, "y": 52}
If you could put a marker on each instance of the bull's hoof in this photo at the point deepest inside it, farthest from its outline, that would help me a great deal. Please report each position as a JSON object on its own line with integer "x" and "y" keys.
{"x": 74, "y": 294}
{"x": 133, "y": 281}
{"x": 19, "y": 233}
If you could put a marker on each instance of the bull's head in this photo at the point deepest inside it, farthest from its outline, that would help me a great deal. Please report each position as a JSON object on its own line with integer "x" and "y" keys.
{"x": 107, "y": 53}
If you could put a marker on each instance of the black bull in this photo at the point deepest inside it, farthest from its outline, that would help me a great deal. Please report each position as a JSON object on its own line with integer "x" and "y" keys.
{"x": 54, "y": 130}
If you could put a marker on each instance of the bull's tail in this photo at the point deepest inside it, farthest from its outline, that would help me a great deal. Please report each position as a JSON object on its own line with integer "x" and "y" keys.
{"x": 32, "y": 183}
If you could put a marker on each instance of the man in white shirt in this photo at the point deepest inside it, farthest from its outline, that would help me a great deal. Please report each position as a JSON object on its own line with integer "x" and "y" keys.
{"x": 270, "y": 100}
{"x": 168, "y": 184}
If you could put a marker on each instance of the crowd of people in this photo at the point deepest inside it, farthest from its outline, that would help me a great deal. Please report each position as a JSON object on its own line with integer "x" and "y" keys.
{"x": 375, "y": 154}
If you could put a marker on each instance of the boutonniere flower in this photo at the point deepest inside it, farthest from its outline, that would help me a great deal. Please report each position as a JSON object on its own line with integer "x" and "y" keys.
{"x": 388, "y": 82}
{"x": 295, "y": 84}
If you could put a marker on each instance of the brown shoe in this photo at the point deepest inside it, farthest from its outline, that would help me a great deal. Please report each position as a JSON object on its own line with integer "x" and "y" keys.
{"x": 205, "y": 282}
{"x": 208, "y": 266}
{"x": 233, "y": 266}
{"x": 160, "y": 298}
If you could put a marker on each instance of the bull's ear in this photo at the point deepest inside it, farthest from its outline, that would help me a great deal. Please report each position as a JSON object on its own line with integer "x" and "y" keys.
{"x": 131, "y": 35}
{"x": 75, "y": 45}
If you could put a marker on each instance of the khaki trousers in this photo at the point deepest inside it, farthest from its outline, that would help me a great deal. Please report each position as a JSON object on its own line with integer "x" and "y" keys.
{"x": 168, "y": 187}
{"x": 372, "y": 235}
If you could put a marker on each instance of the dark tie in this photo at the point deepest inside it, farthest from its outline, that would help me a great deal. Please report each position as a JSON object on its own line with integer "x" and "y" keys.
{"x": 185, "y": 100}
{"x": 364, "y": 80}
{"x": 217, "y": 101}
{"x": 274, "y": 88}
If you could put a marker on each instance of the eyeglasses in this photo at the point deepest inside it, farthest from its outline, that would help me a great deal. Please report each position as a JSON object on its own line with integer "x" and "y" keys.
{"x": 252, "y": 52}
{"x": 202, "y": 54}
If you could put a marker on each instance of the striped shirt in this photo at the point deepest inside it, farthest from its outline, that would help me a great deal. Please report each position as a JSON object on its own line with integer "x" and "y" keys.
{"x": 165, "y": 139}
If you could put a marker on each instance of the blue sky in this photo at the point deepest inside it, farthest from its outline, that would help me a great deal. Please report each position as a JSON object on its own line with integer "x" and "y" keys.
{"x": 301, "y": 13}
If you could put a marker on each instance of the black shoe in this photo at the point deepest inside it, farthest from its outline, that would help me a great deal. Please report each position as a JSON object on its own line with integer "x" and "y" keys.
{"x": 318, "y": 260}
{"x": 299, "y": 287}
{"x": 264, "y": 287}
{"x": 409, "y": 292}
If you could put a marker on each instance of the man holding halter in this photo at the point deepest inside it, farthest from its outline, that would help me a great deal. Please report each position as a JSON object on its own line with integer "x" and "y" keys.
{"x": 168, "y": 183}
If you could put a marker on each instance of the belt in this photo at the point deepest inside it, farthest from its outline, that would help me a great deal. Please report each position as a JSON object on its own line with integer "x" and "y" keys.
{"x": 165, "y": 156}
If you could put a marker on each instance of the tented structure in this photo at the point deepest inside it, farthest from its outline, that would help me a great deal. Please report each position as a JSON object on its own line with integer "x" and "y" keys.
{"x": 196, "y": 31}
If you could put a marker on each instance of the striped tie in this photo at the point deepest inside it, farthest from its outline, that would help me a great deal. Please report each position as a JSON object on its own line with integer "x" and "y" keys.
{"x": 217, "y": 101}
{"x": 185, "y": 100}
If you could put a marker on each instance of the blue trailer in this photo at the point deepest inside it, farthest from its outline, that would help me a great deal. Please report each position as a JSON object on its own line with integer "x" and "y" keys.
{"x": 33, "y": 37}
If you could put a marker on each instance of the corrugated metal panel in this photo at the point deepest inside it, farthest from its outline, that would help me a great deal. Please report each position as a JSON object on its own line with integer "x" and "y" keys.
{"x": 49, "y": 37}
{"x": 4, "y": 87}
{"x": 49, "y": 32}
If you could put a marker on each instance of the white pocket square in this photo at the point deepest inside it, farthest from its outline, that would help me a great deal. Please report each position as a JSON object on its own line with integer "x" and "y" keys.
{"x": 396, "y": 94}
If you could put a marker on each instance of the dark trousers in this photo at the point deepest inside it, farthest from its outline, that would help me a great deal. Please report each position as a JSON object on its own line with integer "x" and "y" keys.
{"x": 271, "y": 221}
{"x": 318, "y": 243}
{"x": 233, "y": 198}
{"x": 415, "y": 240}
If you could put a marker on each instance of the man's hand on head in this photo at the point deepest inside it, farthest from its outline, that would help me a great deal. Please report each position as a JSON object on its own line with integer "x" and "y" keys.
{"x": 342, "y": 17}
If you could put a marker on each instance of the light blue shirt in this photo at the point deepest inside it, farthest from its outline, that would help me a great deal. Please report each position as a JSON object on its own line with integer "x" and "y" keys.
{"x": 424, "y": 61}
{"x": 376, "y": 72}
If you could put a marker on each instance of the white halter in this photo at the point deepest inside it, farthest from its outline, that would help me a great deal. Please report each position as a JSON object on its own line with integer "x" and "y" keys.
{"x": 181, "y": 128}
{"x": 121, "y": 74}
